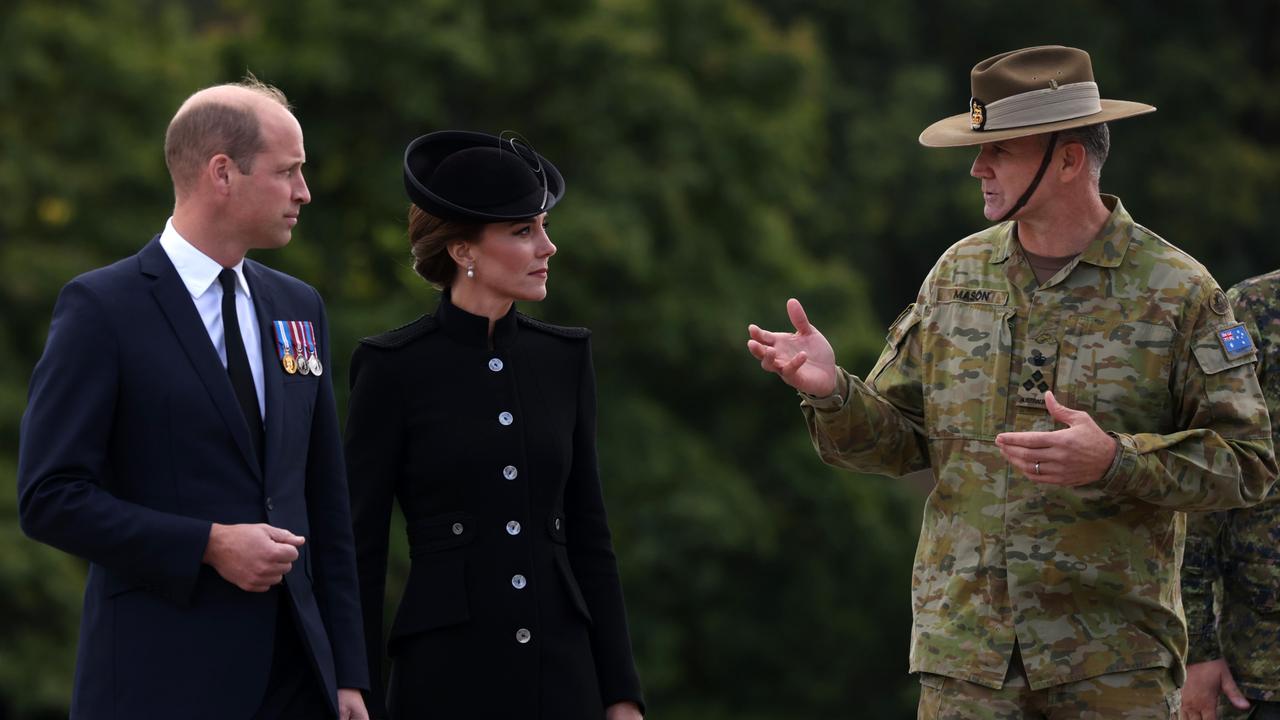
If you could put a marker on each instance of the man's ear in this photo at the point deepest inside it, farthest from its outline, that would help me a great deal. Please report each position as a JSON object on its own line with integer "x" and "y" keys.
{"x": 219, "y": 171}
{"x": 1074, "y": 163}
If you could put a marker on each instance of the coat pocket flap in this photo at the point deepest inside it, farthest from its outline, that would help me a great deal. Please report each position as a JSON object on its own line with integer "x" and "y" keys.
{"x": 440, "y": 532}
{"x": 435, "y": 596}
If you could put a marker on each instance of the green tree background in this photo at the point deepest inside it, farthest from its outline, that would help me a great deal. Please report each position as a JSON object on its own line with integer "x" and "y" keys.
{"x": 721, "y": 156}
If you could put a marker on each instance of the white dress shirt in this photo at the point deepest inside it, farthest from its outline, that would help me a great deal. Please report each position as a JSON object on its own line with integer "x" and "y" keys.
{"x": 199, "y": 273}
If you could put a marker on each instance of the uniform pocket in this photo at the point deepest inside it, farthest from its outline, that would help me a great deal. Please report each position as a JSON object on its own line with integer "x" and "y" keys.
{"x": 966, "y": 348}
{"x": 908, "y": 319}
{"x": 1117, "y": 371}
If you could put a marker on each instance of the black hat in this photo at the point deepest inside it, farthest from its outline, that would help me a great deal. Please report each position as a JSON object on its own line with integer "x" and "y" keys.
{"x": 461, "y": 175}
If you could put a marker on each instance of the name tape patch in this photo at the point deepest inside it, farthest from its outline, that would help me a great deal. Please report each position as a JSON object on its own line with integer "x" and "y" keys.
{"x": 1235, "y": 340}
{"x": 978, "y": 296}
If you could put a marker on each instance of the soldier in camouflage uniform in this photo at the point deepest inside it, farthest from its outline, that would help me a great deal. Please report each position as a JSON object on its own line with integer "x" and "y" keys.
{"x": 1074, "y": 381}
{"x": 1235, "y": 650}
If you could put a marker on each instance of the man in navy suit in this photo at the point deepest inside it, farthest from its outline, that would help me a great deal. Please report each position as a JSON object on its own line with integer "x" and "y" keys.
{"x": 181, "y": 436}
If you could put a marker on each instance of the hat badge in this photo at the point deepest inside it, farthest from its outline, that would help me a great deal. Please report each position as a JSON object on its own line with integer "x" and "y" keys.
{"x": 977, "y": 113}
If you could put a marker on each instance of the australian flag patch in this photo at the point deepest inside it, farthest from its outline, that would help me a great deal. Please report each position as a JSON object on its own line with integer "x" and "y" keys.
{"x": 1235, "y": 340}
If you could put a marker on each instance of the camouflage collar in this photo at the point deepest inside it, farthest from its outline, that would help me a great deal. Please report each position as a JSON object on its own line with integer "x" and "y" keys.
{"x": 1106, "y": 250}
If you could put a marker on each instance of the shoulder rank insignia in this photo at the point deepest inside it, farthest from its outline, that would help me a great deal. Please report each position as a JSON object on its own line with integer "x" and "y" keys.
{"x": 1235, "y": 340}
{"x": 1219, "y": 302}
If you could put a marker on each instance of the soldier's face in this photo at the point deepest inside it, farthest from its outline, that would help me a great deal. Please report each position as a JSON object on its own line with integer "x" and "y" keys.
{"x": 1006, "y": 169}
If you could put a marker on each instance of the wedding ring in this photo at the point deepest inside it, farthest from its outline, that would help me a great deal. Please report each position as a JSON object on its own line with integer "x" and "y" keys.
{"x": 1037, "y": 468}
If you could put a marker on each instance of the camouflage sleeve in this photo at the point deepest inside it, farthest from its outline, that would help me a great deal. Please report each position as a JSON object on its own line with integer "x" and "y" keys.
{"x": 1257, "y": 310}
{"x": 1206, "y": 557}
{"x": 1201, "y": 572}
{"x": 1223, "y": 458}
{"x": 876, "y": 426}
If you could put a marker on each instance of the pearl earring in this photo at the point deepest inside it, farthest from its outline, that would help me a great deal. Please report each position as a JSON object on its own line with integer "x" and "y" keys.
{"x": 471, "y": 271}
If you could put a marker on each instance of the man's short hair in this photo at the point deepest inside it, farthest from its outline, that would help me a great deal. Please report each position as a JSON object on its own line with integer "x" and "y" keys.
{"x": 211, "y": 127}
{"x": 1096, "y": 140}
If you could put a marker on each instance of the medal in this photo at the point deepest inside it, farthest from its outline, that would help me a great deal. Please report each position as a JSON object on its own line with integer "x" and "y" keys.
{"x": 284, "y": 347}
{"x": 313, "y": 359}
{"x": 299, "y": 341}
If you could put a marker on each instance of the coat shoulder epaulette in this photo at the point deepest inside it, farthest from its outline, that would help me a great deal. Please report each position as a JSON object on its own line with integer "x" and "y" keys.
{"x": 573, "y": 333}
{"x": 402, "y": 335}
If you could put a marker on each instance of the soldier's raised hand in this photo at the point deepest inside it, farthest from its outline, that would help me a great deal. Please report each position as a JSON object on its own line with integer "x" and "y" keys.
{"x": 803, "y": 359}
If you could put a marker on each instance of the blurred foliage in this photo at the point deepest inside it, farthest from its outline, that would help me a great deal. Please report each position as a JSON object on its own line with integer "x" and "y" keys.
{"x": 721, "y": 156}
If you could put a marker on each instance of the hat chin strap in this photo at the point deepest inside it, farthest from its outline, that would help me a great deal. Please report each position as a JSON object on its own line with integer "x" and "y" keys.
{"x": 1035, "y": 183}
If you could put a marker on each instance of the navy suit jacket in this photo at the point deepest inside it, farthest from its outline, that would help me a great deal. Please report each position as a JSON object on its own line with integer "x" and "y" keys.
{"x": 133, "y": 444}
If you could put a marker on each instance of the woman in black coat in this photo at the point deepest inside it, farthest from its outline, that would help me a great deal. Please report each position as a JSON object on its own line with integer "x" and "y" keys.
{"x": 481, "y": 422}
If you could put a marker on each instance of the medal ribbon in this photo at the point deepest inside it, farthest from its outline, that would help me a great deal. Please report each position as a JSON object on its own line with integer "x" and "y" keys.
{"x": 299, "y": 341}
{"x": 311, "y": 340}
{"x": 282, "y": 340}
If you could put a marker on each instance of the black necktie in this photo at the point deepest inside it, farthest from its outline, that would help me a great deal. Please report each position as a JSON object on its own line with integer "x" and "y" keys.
{"x": 238, "y": 361}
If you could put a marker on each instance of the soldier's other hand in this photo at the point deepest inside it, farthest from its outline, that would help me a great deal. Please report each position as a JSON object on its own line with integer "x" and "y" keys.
{"x": 803, "y": 359}
{"x": 1205, "y": 681}
{"x": 1077, "y": 455}
{"x": 253, "y": 557}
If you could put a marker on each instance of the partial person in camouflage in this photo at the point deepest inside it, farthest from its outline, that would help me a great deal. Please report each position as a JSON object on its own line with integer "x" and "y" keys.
{"x": 1235, "y": 554}
{"x": 1074, "y": 382}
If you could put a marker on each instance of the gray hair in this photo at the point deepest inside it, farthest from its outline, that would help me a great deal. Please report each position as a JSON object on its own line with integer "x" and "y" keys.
{"x": 1096, "y": 140}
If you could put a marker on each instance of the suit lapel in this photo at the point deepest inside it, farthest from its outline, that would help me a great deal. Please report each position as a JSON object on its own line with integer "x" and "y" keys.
{"x": 175, "y": 302}
{"x": 265, "y": 307}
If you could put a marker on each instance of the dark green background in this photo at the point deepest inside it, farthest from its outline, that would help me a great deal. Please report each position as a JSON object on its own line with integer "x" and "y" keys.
{"x": 721, "y": 156}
